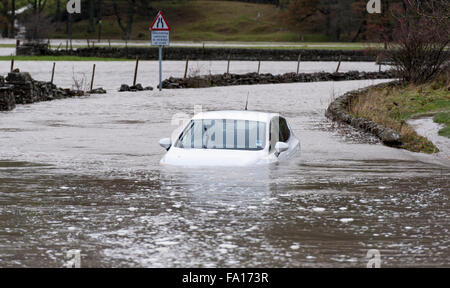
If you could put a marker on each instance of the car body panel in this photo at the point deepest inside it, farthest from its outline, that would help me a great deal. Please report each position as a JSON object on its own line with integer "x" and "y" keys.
{"x": 230, "y": 157}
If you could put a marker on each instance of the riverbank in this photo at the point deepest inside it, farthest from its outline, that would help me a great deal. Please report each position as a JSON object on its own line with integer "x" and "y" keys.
{"x": 391, "y": 106}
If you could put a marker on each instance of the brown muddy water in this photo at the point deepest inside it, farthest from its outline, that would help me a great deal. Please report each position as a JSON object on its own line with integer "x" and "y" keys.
{"x": 84, "y": 174}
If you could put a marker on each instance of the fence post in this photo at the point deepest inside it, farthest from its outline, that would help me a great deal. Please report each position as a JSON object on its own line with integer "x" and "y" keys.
{"x": 12, "y": 64}
{"x": 228, "y": 65}
{"x": 339, "y": 64}
{"x": 259, "y": 65}
{"x": 378, "y": 62}
{"x": 92, "y": 79}
{"x": 135, "y": 70}
{"x": 298, "y": 62}
{"x": 186, "y": 68}
{"x": 53, "y": 73}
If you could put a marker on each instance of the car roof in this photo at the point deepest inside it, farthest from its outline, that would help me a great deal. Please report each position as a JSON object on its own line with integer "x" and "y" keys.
{"x": 236, "y": 115}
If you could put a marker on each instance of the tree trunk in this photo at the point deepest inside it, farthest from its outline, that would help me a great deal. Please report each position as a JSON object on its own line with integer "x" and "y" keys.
{"x": 58, "y": 11}
{"x": 91, "y": 27}
{"x": 12, "y": 34}
{"x": 99, "y": 17}
{"x": 5, "y": 31}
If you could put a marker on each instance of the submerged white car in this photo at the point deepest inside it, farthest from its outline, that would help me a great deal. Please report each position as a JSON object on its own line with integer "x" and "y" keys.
{"x": 231, "y": 138}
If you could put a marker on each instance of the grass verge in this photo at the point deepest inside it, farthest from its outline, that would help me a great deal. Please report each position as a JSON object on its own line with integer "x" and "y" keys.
{"x": 392, "y": 106}
{"x": 443, "y": 118}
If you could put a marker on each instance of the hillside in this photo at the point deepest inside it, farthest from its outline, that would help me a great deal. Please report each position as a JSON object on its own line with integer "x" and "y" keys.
{"x": 197, "y": 20}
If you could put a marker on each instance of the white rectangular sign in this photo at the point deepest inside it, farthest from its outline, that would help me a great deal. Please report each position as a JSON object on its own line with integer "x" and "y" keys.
{"x": 160, "y": 38}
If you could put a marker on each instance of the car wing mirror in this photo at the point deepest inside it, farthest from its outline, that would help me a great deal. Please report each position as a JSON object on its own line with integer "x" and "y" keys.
{"x": 280, "y": 147}
{"x": 165, "y": 143}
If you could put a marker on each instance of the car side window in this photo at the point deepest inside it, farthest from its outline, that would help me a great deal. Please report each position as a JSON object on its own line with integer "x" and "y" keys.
{"x": 278, "y": 126}
{"x": 285, "y": 133}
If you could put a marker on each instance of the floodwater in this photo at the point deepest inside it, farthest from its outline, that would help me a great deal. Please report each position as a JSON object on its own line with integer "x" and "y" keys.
{"x": 84, "y": 174}
{"x": 110, "y": 74}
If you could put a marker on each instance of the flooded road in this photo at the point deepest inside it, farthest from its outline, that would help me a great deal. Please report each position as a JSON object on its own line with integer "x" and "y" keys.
{"x": 84, "y": 174}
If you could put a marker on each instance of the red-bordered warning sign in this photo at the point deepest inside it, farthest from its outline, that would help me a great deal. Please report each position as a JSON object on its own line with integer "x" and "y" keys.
{"x": 160, "y": 23}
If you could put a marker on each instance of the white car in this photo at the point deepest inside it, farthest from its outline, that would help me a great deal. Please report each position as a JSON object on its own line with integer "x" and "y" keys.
{"x": 231, "y": 138}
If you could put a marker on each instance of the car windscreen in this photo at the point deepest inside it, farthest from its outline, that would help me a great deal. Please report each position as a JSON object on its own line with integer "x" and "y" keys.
{"x": 223, "y": 134}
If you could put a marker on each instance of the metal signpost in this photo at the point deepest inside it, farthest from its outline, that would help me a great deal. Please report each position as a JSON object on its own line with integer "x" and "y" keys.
{"x": 160, "y": 37}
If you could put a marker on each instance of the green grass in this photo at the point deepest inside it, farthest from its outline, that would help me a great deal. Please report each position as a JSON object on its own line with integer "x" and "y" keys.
{"x": 202, "y": 20}
{"x": 59, "y": 58}
{"x": 443, "y": 118}
{"x": 392, "y": 107}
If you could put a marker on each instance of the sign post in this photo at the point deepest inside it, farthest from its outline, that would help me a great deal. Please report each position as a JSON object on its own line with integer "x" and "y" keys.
{"x": 160, "y": 37}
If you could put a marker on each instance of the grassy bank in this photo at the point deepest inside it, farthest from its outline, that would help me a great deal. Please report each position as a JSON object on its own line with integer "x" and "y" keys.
{"x": 391, "y": 108}
{"x": 198, "y": 21}
{"x": 443, "y": 118}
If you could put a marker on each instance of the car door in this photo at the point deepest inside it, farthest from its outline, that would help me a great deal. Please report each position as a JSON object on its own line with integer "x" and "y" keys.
{"x": 281, "y": 132}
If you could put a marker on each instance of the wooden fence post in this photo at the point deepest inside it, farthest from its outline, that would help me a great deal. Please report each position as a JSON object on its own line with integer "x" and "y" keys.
{"x": 259, "y": 65}
{"x": 92, "y": 79}
{"x": 12, "y": 64}
{"x": 378, "y": 62}
{"x": 298, "y": 62}
{"x": 228, "y": 65}
{"x": 135, "y": 70}
{"x": 186, "y": 68}
{"x": 339, "y": 64}
{"x": 53, "y": 73}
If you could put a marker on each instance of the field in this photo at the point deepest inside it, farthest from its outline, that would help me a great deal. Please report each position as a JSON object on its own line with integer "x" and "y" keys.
{"x": 203, "y": 20}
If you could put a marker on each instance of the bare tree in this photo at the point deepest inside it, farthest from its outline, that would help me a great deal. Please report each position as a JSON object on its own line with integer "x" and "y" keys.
{"x": 37, "y": 28}
{"x": 131, "y": 11}
{"x": 421, "y": 35}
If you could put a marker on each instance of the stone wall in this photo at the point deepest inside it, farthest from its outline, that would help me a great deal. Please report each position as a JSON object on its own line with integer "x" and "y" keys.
{"x": 32, "y": 49}
{"x": 7, "y": 101}
{"x": 195, "y": 53}
{"x": 255, "y": 78}
{"x": 338, "y": 111}
{"x": 21, "y": 88}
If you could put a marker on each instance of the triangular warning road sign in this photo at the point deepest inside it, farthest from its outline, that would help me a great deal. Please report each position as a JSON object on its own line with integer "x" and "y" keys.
{"x": 160, "y": 23}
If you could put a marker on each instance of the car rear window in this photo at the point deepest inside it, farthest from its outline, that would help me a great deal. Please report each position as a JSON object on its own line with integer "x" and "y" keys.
{"x": 223, "y": 134}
